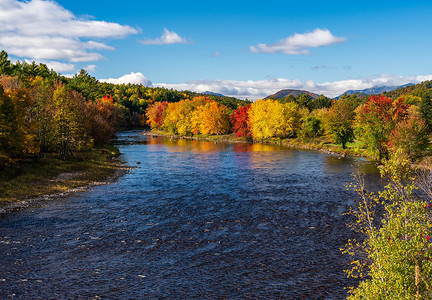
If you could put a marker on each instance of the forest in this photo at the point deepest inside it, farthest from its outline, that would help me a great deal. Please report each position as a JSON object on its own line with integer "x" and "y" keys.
{"x": 44, "y": 113}
{"x": 379, "y": 124}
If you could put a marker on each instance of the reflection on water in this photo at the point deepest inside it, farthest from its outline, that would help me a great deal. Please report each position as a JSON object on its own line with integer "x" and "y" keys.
{"x": 193, "y": 220}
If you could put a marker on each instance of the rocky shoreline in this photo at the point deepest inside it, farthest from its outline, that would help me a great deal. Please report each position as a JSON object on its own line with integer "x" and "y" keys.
{"x": 17, "y": 205}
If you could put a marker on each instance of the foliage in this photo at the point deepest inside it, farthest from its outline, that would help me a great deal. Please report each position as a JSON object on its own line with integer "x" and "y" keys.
{"x": 410, "y": 135}
{"x": 286, "y": 119}
{"x": 394, "y": 260}
{"x": 270, "y": 118}
{"x": 211, "y": 118}
{"x": 375, "y": 121}
{"x": 338, "y": 122}
{"x": 155, "y": 114}
{"x": 311, "y": 127}
{"x": 240, "y": 122}
{"x": 426, "y": 109}
{"x": 69, "y": 130}
{"x": 17, "y": 130}
{"x": 261, "y": 116}
{"x": 178, "y": 117}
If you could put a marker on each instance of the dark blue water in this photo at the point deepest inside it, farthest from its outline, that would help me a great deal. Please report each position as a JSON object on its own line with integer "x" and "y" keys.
{"x": 193, "y": 220}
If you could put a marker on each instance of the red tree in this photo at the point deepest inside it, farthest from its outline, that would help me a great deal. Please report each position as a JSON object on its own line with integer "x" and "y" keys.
{"x": 375, "y": 121}
{"x": 240, "y": 122}
{"x": 155, "y": 114}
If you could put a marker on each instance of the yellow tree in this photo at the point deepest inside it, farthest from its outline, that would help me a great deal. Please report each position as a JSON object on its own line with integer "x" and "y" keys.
{"x": 70, "y": 134}
{"x": 211, "y": 118}
{"x": 285, "y": 118}
{"x": 178, "y": 117}
{"x": 260, "y": 119}
{"x": 185, "y": 109}
{"x": 17, "y": 130}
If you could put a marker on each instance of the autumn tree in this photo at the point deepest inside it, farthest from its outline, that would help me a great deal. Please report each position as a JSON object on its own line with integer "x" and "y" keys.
{"x": 17, "y": 130}
{"x": 240, "y": 122}
{"x": 70, "y": 134}
{"x": 212, "y": 118}
{"x": 338, "y": 122}
{"x": 155, "y": 114}
{"x": 286, "y": 119}
{"x": 262, "y": 124}
{"x": 178, "y": 117}
{"x": 375, "y": 121}
{"x": 410, "y": 135}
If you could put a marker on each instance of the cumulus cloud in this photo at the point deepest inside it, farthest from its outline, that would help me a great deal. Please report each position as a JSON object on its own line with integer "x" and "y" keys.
{"x": 167, "y": 38}
{"x": 262, "y": 88}
{"x": 90, "y": 68}
{"x": 298, "y": 44}
{"x": 60, "y": 67}
{"x": 44, "y": 30}
{"x": 134, "y": 78}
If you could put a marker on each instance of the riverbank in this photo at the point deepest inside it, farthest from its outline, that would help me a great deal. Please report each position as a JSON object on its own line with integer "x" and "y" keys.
{"x": 321, "y": 144}
{"x": 50, "y": 176}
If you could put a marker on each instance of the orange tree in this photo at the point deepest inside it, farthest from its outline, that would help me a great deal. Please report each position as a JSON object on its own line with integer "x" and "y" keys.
{"x": 211, "y": 118}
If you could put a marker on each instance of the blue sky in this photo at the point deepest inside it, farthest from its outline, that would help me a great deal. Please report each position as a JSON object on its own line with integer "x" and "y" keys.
{"x": 238, "y": 48}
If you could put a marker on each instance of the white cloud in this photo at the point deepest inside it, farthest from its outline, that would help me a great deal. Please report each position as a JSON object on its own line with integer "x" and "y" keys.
{"x": 90, "y": 68}
{"x": 60, "y": 67}
{"x": 44, "y": 30}
{"x": 167, "y": 38}
{"x": 55, "y": 65}
{"x": 298, "y": 44}
{"x": 262, "y": 88}
{"x": 135, "y": 78}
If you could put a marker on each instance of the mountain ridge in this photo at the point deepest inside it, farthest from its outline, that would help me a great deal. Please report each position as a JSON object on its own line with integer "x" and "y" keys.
{"x": 375, "y": 90}
{"x": 287, "y": 92}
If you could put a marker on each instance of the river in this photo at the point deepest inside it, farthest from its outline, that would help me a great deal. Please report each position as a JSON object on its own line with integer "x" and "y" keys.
{"x": 193, "y": 220}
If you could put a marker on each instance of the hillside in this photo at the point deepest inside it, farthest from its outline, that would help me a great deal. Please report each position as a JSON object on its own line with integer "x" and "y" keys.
{"x": 213, "y": 94}
{"x": 374, "y": 90}
{"x": 416, "y": 90}
{"x": 285, "y": 93}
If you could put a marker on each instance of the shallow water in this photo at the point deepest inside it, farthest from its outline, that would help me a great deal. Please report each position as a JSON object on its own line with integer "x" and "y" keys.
{"x": 193, "y": 220}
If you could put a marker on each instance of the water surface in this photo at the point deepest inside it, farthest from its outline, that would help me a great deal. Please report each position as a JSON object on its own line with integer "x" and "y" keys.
{"x": 193, "y": 220}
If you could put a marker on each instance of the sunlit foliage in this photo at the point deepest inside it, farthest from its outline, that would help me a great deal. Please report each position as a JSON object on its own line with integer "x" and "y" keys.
{"x": 395, "y": 259}
{"x": 375, "y": 121}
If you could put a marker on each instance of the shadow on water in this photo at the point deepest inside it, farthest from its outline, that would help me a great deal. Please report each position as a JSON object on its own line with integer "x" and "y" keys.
{"x": 194, "y": 220}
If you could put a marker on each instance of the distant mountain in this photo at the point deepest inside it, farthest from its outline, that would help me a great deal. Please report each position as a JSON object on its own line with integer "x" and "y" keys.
{"x": 374, "y": 90}
{"x": 285, "y": 93}
{"x": 213, "y": 94}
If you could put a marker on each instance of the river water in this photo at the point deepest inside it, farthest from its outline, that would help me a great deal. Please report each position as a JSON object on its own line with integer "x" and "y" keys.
{"x": 193, "y": 220}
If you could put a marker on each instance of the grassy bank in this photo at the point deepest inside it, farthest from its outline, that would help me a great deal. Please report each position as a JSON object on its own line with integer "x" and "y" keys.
{"x": 51, "y": 174}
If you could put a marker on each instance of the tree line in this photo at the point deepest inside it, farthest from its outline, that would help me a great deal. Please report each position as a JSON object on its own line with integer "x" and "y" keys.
{"x": 42, "y": 111}
{"x": 381, "y": 124}
{"x": 40, "y": 102}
